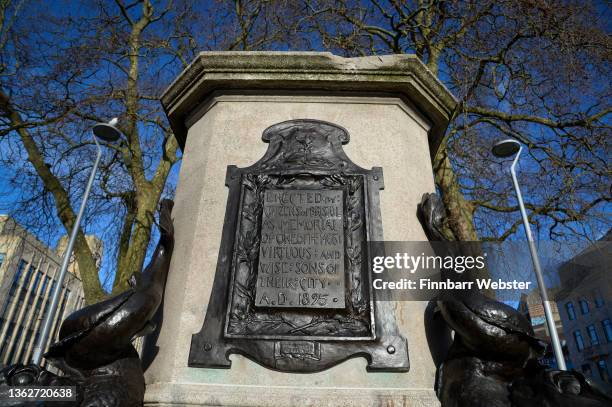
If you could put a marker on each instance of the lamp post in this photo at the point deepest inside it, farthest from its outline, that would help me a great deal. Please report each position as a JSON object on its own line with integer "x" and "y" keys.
{"x": 507, "y": 148}
{"x": 109, "y": 133}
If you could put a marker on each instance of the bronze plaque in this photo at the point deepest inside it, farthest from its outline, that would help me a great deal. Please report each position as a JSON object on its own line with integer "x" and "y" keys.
{"x": 301, "y": 261}
{"x": 293, "y": 285}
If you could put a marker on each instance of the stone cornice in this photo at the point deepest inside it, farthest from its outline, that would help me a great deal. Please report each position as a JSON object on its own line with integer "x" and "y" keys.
{"x": 305, "y": 73}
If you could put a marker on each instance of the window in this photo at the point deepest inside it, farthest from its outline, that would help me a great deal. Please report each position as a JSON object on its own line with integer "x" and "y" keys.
{"x": 571, "y": 312}
{"x": 24, "y": 348}
{"x": 43, "y": 290}
{"x": 607, "y": 328}
{"x": 26, "y": 283}
{"x": 2, "y": 256}
{"x": 602, "y": 366}
{"x": 599, "y": 301}
{"x": 59, "y": 317}
{"x": 4, "y": 349}
{"x": 14, "y": 349}
{"x": 20, "y": 268}
{"x": 579, "y": 340}
{"x": 593, "y": 335}
{"x": 22, "y": 265}
{"x": 36, "y": 280}
{"x": 46, "y": 306}
{"x": 584, "y": 307}
{"x": 34, "y": 287}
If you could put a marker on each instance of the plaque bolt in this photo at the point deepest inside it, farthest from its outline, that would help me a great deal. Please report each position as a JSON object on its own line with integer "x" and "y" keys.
{"x": 375, "y": 177}
{"x": 207, "y": 347}
{"x": 391, "y": 349}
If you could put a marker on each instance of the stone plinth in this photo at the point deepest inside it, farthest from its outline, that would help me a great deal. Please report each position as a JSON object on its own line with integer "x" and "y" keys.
{"x": 395, "y": 112}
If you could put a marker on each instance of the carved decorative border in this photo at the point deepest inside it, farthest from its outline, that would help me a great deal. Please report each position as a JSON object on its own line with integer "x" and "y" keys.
{"x": 301, "y": 152}
{"x": 244, "y": 320}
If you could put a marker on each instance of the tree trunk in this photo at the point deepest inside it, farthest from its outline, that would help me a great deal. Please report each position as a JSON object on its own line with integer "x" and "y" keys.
{"x": 87, "y": 266}
{"x": 133, "y": 260}
{"x": 458, "y": 210}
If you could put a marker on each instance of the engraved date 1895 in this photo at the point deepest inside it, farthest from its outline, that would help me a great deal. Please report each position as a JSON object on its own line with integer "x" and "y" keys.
{"x": 297, "y": 299}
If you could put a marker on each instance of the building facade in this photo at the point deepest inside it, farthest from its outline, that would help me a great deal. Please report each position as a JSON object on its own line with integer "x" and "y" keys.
{"x": 28, "y": 275}
{"x": 531, "y": 306}
{"x": 585, "y": 306}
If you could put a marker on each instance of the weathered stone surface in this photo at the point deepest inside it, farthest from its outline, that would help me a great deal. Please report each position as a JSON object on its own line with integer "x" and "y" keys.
{"x": 307, "y": 73}
{"x": 386, "y": 130}
{"x": 274, "y": 396}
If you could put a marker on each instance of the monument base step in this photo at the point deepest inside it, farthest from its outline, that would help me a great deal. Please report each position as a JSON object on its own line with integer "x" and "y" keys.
{"x": 217, "y": 395}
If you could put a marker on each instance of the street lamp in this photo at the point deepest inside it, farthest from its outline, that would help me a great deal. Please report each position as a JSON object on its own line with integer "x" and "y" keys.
{"x": 507, "y": 148}
{"x": 105, "y": 132}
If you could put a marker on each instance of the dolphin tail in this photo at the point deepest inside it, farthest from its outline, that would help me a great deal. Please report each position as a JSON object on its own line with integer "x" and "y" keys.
{"x": 165, "y": 221}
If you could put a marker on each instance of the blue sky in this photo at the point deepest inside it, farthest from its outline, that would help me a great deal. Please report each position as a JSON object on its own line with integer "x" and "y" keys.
{"x": 10, "y": 193}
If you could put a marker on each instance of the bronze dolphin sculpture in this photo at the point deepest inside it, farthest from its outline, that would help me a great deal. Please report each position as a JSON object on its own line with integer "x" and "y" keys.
{"x": 95, "y": 348}
{"x": 97, "y": 334}
{"x": 493, "y": 358}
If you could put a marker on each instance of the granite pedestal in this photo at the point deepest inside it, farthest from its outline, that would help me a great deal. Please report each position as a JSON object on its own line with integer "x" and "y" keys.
{"x": 395, "y": 111}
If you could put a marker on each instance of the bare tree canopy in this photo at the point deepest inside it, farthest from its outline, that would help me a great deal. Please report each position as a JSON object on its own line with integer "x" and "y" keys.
{"x": 534, "y": 70}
